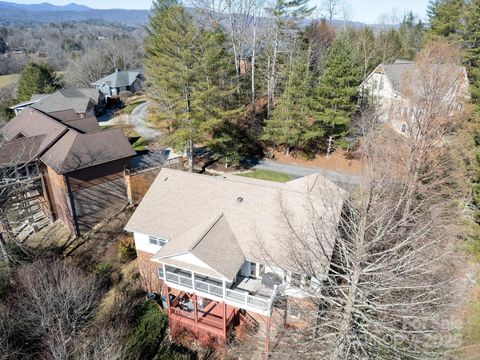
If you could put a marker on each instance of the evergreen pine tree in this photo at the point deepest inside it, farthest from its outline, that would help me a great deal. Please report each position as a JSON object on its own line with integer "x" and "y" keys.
{"x": 337, "y": 90}
{"x": 291, "y": 124}
{"x": 35, "y": 79}
{"x": 445, "y": 17}
{"x": 190, "y": 75}
{"x": 411, "y": 32}
{"x": 472, "y": 44}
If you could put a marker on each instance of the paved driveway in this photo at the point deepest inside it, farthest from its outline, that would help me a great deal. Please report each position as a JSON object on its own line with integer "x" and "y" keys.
{"x": 139, "y": 122}
{"x": 296, "y": 171}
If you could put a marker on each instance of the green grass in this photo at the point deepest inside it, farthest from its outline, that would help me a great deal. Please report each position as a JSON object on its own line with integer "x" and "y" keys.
{"x": 140, "y": 144}
{"x": 6, "y": 80}
{"x": 267, "y": 175}
{"x": 129, "y": 108}
{"x": 472, "y": 328}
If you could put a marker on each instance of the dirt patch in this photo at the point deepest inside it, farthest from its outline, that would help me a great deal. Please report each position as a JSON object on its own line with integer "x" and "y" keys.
{"x": 340, "y": 161}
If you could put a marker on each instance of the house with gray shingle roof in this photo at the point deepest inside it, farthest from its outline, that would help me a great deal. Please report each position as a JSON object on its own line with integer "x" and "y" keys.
{"x": 225, "y": 244}
{"x": 119, "y": 82}
{"x": 389, "y": 85}
{"x": 84, "y": 101}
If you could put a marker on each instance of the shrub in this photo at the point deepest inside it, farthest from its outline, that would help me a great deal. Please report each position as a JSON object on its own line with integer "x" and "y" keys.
{"x": 145, "y": 340}
{"x": 104, "y": 268}
{"x": 126, "y": 249}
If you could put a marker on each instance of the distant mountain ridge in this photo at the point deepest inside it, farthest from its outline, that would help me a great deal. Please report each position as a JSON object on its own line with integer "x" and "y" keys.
{"x": 44, "y": 7}
{"x": 24, "y": 14}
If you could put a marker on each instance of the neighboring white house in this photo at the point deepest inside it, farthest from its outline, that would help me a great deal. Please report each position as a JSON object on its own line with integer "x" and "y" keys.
{"x": 388, "y": 85}
{"x": 229, "y": 239}
{"x": 119, "y": 82}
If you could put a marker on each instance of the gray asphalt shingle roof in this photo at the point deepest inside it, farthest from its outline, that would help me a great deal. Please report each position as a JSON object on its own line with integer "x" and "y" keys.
{"x": 209, "y": 241}
{"x": 220, "y": 218}
{"x": 398, "y": 71}
{"x": 79, "y": 99}
{"x": 118, "y": 79}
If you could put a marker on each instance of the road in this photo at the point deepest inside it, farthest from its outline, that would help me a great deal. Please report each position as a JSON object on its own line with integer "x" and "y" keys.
{"x": 297, "y": 171}
{"x": 138, "y": 120}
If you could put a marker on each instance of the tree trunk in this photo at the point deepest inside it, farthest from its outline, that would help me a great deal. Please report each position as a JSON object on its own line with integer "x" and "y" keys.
{"x": 3, "y": 249}
{"x": 254, "y": 45}
{"x": 190, "y": 141}
{"x": 329, "y": 147}
{"x": 190, "y": 155}
{"x": 235, "y": 51}
{"x": 273, "y": 69}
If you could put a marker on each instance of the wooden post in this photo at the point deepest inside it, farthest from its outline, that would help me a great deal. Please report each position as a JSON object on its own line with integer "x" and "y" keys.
{"x": 225, "y": 320}
{"x": 126, "y": 175}
{"x": 195, "y": 311}
{"x": 168, "y": 300}
{"x": 267, "y": 340}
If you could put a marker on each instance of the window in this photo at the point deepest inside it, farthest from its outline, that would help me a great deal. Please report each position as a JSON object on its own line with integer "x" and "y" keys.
{"x": 160, "y": 273}
{"x": 404, "y": 128}
{"x": 296, "y": 279}
{"x": 261, "y": 269}
{"x": 157, "y": 241}
{"x": 253, "y": 269}
{"x": 307, "y": 280}
{"x": 381, "y": 83}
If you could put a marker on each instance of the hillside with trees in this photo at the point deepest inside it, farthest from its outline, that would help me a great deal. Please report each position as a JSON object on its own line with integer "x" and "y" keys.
{"x": 295, "y": 86}
{"x": 239, "y": 82}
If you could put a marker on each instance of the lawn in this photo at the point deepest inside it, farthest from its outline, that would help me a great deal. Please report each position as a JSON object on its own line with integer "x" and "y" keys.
{"x": 140, "y": 144}
{"x": 132, "y": 105}
{"x": 6, "y": 80}
{"x": 267, "y": 175}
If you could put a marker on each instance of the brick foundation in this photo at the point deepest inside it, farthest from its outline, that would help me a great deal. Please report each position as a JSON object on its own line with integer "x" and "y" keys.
{"x": 148, "y": 272}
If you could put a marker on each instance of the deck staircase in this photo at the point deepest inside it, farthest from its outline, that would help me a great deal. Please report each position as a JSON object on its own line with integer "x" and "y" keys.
{"x": 28, "y": 214}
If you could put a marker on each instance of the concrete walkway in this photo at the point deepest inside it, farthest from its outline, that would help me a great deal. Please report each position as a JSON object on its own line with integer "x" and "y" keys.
{"x": 297, "y": 171}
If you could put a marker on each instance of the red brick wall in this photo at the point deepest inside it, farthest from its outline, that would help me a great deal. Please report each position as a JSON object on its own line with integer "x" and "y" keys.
{"x": 148, "y": 272}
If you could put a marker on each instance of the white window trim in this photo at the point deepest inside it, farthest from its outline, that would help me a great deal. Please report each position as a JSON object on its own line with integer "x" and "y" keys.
{"x": 158, "y": 241}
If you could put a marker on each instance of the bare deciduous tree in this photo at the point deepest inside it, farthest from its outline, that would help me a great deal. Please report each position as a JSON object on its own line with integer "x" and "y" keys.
{"x": 331, "y": 8}
{"x": 54, "y": 301}
{"x": 391, "y": 277}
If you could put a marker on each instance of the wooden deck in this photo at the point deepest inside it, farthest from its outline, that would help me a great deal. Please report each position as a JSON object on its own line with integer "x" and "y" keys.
{"x": 210, "y": 319}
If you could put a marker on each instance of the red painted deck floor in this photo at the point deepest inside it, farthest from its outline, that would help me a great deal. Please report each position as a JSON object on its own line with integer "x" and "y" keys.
{"x": 210, "y": 318}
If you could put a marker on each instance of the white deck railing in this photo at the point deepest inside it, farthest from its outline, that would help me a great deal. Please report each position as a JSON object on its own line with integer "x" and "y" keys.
{"x": 243, "y": 298}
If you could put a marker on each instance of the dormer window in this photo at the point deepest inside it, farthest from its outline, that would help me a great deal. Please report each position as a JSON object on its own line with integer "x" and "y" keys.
{"x": 154, "y": 240}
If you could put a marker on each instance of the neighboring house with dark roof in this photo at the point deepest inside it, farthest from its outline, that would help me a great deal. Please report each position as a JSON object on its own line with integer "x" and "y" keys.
{"x": 223, "y": 245}
{"x": 389, "y": 85}
{"x": 83, "y": 101}
{"x": 119, "y": 82}
{"x": 81, "y": 166}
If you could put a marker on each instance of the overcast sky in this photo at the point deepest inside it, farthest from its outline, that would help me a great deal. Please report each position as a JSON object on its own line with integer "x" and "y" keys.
{"x": 368, "y": 11}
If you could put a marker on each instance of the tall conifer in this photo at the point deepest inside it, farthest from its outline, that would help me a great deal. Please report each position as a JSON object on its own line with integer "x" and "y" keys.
{"x": 338, "y": 88}
{"x": 190, "y": 75}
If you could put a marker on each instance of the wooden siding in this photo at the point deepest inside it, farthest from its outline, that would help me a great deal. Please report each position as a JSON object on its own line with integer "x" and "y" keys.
{"x": 98, "y": 192}
{"x": 139, "y": 183}
{"x": 60, "y": 202}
